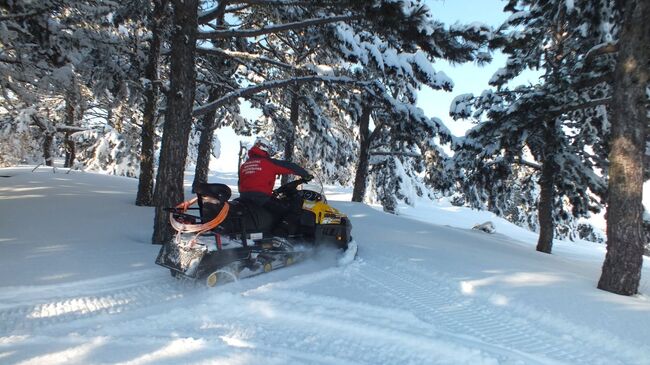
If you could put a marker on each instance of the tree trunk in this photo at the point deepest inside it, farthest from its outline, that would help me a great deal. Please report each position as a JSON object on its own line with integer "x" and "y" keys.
{"x": 622, "y": 267}
{"x": 208, "y": 126}
{"x": 546, "y": 197}
{"x": 178, "y": 117}
{"x": 70, "y": 152}
{"x": 290, "y": 143}
{"x": 148, "y": 134}
{"x": 68, "y": 143}
{"x": 48, "y": 140}
{"x": 359, "y": 190}
{"x": 546, "y": 182}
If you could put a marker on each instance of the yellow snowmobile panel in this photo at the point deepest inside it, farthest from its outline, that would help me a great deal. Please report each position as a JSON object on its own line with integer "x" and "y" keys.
{"x": 325, "y": 214}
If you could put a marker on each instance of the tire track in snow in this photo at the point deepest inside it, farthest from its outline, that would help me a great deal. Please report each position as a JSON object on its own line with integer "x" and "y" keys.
{"x": 276, "y": 322}
{"x": 432, "y": 319}
{"x": 517, "y": 330}
{"x": 397, "y": 329}
{"x": 26, "y": 309}
{"x": 110, "y": 295}
{"x": 336, "y": 330}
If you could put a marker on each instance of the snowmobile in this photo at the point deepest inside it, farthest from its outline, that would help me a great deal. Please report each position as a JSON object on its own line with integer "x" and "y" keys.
{"x": 232, "y": 239}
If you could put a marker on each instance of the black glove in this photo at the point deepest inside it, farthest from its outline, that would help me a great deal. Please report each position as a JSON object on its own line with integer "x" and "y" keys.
{"x": 308, "y": 177}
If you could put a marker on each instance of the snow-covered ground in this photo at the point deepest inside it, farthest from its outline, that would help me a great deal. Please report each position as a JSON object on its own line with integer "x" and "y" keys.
{"x": 78, "y": 286}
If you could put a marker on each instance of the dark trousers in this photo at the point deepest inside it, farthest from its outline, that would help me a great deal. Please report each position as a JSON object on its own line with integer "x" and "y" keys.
{"x": 282, "y": 210}
{"x": 279, "y": 208}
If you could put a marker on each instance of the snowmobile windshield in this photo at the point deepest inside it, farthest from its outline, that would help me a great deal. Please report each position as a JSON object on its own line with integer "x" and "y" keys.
{"x": 311, "y": 195}
{"x": 316, "y": 187}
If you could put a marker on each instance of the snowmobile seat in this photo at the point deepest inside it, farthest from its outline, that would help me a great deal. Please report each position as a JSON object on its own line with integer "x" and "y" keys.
{"x": 250, "y": 216}
{"x": 211, "y": 198}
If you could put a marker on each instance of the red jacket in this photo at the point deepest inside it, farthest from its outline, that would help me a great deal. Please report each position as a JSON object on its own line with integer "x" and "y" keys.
{"x": 259, "y": 172}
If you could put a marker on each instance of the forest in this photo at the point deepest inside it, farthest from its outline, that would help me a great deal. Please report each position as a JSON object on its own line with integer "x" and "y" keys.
{"x": 140, "y": 88}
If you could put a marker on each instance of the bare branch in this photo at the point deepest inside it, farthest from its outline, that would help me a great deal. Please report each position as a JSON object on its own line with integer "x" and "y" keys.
{"x": 244, "y": 33}
{"x": 606, "y": 77}
{"x": 243, "y": 55}
{"x": 214, "y": 13}
{"x": 601, "y": 49}
{"x": 394, "y": 153}
{"x": 269, "y": 86}
{"x": 215, "y": 84}
{"x": 530, "y": 164}
{"x": 8, "y": 60}
{"x": 20, "y": 15}
{"x": 39, "y": 123}
{"x": 568, "y": 108}
{"x": 68, "y": 128}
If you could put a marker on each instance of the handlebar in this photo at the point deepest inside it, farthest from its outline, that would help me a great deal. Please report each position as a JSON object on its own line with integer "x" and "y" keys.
{"x": 292, "y": 185}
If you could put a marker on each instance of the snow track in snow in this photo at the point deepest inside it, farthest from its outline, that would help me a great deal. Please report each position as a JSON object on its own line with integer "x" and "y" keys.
{"x": 404, "y": 301}
{"x": 24, "y": 310}
{"x": 487, "y": 323}
{"x": 390, "y": 312}
{"x": 273, "y": 322}
{"x": 365, "y": 333}
{"x": 400, "y": 313}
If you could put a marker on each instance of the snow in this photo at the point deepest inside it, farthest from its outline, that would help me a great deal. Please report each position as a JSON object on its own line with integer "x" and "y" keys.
{"x": 570, "y": 5}
{"x": 517, "y": 16}
{"x": 78, "y": 286}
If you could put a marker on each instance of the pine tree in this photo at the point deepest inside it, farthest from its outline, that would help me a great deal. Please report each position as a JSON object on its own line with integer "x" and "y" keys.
{"x": 64, "y": 60}
{"x": 629, "y": 116}
{"x": 35, "y": 76}
{"x": 169, "y": 179}
{"x": 555, "y": 129}
{"x": 390, "y": 59}
{"x": 151, "y": 96}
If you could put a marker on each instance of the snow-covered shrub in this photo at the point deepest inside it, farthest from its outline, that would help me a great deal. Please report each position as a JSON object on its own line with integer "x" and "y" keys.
{"x": 20, "y": 142}
{"x": 109, "y": 151}
{"x": 587, "y": 232}
{"x": 487, "y": 227}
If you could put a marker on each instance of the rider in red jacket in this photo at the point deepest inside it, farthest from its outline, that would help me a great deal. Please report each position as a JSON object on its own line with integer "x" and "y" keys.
{"x": 258, "y": 174}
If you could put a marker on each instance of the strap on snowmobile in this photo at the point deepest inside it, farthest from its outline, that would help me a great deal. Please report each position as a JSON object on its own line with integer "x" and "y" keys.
{"x": 201, "y": 228}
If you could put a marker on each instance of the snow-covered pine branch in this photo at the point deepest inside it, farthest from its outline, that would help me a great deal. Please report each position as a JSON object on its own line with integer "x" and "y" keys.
{"x": 520, "y": 161}
{"x": 246, "y": 92}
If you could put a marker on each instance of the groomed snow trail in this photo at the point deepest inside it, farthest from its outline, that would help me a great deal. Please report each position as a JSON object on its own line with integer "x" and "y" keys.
{"x": 484, "y": 322}
{"x": 89, "y": 293}
{"x": 24, "y": 310}
{"x": 272, "y": 322}
{"x": 290, "y": 316}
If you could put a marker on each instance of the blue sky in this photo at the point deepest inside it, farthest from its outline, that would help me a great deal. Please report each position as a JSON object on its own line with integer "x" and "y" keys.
{"x": 468, "y": 77}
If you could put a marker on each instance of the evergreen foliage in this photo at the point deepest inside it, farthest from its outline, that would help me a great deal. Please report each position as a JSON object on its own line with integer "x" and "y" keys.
{"x": 66, "y": 65}
{"x": 549, "y": 138}
{"x": 326, "y": 71}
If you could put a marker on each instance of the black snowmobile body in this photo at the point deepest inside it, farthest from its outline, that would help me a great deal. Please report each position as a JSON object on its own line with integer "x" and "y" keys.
{"x": 229, "y": 239}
